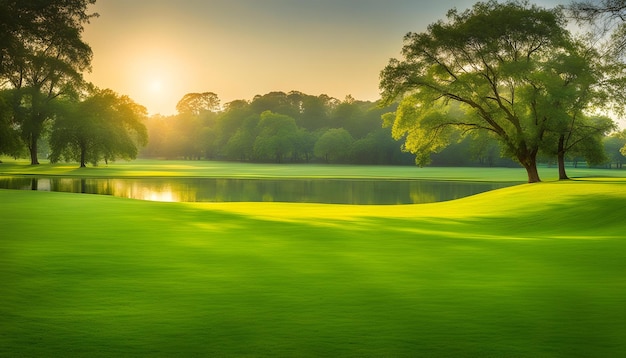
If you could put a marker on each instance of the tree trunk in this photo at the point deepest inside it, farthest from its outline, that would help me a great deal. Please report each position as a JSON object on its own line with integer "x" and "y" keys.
{"x": 562, "y": 173}
{"x": 32, "y": 146}
{"x": 83, "y": 152}
{"x": 530, "y": 164}
{"x": 561, "y": 158}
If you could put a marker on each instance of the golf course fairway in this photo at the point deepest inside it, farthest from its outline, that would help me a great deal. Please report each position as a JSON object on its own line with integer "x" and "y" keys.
{"x": 534, "y": 270}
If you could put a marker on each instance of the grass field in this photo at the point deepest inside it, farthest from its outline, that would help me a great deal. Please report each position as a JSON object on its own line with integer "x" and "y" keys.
{"x": 160, "y": 168}
{"x": 527, "y": 271}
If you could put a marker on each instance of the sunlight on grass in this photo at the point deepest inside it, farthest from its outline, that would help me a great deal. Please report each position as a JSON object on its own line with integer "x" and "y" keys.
{"x": 499, "y": 274}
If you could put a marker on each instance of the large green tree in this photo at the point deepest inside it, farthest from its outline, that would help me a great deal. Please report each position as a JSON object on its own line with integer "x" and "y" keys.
{"x": 42, "y": 57}
{"x": 573, "y": 85}
{"x": 105, "y": 126}
{"x": 489, "y": 59}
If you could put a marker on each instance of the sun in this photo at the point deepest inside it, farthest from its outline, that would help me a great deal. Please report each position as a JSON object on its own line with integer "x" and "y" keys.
{"x": 155, "y": 86}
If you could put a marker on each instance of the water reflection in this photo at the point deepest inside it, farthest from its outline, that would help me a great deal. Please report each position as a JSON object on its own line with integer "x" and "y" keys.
{"x": 339, "y": 191}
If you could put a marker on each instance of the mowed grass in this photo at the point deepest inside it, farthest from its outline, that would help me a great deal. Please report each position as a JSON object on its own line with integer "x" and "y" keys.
{"x": 527, "y": 271}
{"x": 178, "y": 168}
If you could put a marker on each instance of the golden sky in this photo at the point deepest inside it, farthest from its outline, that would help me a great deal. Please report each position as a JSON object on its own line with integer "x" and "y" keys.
{"x": 156, "y": 51}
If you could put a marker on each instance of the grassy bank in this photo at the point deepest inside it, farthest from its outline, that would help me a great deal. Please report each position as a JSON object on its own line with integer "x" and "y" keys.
{"x": 160, "y": 168}
{"x": 532, "y": 270}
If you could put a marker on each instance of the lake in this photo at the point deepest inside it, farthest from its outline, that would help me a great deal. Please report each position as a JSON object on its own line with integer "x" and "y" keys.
{"x": 330, "y": 191}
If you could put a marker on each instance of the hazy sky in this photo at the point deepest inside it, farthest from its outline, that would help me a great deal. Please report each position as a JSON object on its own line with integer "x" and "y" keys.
{"x": 155, "y": 51}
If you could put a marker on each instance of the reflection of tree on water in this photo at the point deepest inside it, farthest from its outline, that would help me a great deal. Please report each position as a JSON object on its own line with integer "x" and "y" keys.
{"x": 419, "y": 196}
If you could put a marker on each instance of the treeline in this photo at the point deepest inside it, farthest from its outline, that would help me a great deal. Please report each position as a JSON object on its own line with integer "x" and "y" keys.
{"x": 299, "y": 128}
{"x": 276, "y": 127}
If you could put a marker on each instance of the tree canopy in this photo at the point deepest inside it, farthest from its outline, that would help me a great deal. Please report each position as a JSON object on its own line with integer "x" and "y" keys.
{"x": 42, "y": 57}
{"x": 105, "y": 126}
{"x": 502, "y": 65}
{"x": 196, "y": 103}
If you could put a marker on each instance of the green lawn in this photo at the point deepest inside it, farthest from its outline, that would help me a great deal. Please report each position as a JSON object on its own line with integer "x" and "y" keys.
{"x": 527, "y": 271}
{"x": 178, "y": 168}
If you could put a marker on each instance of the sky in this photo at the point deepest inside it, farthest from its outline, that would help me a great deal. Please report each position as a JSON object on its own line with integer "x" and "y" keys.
{"x": 156, "y": 51}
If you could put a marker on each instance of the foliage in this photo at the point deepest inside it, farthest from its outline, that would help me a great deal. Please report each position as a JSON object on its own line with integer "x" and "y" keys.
{"x": 615, "y": 145}
{"x": 501, "y": 63}
{"x": 240, "y": 132}
{"x": 334, "y": 145}
{"x": 197, "y": 103}
{"x": 276, "y": 136}
{"x": 9, "y": 135}
{"x": 42, "y": 57}
{"x": 607, "y": 18}
{"x": 105, "y": 126}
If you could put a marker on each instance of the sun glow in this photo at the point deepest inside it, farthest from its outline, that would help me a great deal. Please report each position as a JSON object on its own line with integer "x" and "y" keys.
{"x": 155, "y": 86}
{"x": 156, "y": 79}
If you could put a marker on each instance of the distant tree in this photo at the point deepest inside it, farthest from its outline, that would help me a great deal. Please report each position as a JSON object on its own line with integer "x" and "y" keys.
{"x": 334, "y": 145}
{"x": 376, "y": 148}
{"x": 105, "y": 126}
{"x": 197, "y": 103}
{"x": 208, "y": 142}
{"x": 277, "y": 134}
{"x": 489, "y": 59}
{"x": 314, "y": 111}
{"x": 276, "y": 102}
{"x": 42, "y": 56}
{"x": 239, "y": 146}
{"x": 187, "y": 129}
{"x": 614, "y": 145}
{"x": 304, "y": 145}
{"x": 236, "y": 114}
{"x": 158, "y": 132}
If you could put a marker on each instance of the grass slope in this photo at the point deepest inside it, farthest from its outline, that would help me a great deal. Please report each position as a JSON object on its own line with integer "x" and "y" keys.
{"x": 532, "y": 270}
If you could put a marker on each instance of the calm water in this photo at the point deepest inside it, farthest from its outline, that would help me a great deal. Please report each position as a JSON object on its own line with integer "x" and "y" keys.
{"x": 338, "y": 191}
